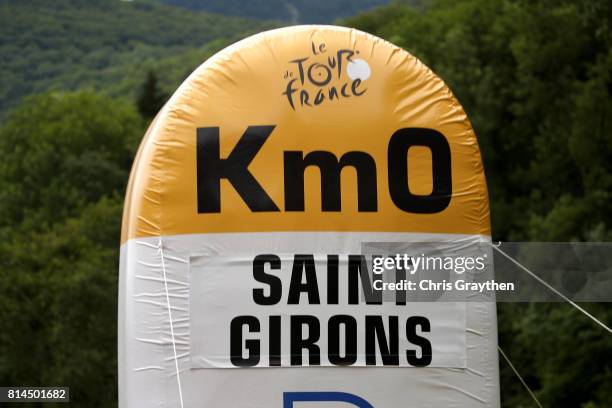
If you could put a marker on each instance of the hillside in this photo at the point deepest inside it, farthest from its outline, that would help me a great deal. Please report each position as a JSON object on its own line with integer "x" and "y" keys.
{"x": 105, "y": 45}
{"x": 293, "y": 11}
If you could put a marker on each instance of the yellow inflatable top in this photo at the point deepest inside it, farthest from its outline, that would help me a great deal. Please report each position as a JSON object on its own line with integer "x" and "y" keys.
{"x": 312, "y": 128}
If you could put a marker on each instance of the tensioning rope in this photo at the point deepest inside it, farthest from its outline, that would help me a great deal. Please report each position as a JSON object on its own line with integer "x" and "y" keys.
{"x": 519, "y": 376}
{"x": 543, "y": 282}
{"x": 178, "y": 376}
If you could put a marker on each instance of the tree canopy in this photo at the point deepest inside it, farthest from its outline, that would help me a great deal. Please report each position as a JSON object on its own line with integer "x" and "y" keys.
{"x": 66, "y": 159}
{"x": 102, "y": 44}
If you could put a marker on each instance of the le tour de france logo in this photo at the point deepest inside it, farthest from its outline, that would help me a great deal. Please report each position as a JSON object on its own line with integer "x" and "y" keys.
{"x": 325, "y": 76}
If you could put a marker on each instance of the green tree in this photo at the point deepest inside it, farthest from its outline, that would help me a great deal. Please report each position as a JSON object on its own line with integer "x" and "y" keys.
{"x": 66, "y": 159}
{"x": 61, "y": 152}
{"x": 151, "y": 98}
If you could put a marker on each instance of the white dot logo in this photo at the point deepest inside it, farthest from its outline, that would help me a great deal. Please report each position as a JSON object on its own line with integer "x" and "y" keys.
{"x": 358, "y": 69}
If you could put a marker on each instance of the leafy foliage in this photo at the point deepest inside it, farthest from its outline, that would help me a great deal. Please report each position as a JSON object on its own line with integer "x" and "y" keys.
{"x": 62, "y": 152}
{"x": 151, "y": 98}
{"x": 102, "y": 44}
{"x": 295, "y": 11}
{"x": 66, "y": 161}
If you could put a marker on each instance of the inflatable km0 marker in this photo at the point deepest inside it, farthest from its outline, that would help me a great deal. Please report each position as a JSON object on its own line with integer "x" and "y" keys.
{"x": 249, "y": 199}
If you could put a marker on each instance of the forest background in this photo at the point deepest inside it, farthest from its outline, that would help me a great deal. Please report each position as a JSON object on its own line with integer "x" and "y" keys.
{"x": 80, "y": 81}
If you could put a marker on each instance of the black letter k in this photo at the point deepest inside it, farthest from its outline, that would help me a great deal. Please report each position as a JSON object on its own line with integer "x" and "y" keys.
{"x": 211, "y": 169}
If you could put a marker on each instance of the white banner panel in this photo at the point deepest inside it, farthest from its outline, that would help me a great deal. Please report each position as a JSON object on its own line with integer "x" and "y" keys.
{"x": 147, "y": 347}
{"x": 269, "y": 310}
